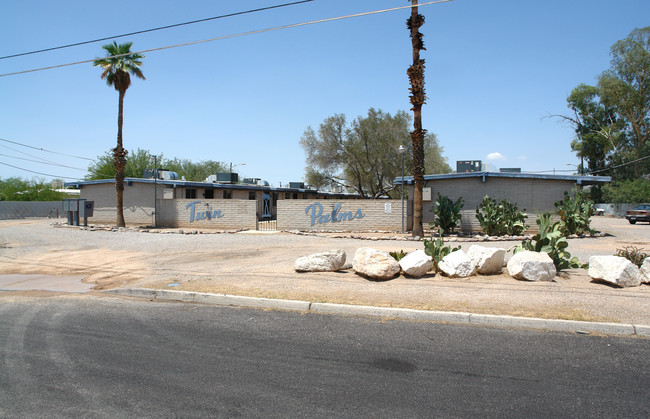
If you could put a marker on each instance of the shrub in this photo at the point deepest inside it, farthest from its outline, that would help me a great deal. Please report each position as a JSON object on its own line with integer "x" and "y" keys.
{"x": 551, "y": 240}
{"x": 634, "y": 255}
{"x": 398, "y": 255}
{"x": 437, "y": 250}
{"x": 500, "y": 218}
{"x": 447, "y": 213}
{"x": 575, "y": 211}
{"x": 628, "y": 191}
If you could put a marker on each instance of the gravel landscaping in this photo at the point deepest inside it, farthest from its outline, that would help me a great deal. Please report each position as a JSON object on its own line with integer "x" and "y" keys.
{"x": 262, "y": 264}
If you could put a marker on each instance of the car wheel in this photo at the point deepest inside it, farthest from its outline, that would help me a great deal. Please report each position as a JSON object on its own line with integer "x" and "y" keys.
{"x": 632, "y": 221}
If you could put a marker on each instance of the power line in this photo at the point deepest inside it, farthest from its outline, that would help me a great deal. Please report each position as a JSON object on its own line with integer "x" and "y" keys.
{"x": 620, "y": 165}
{"x": 295, "y": 25}
{"x": 27, "y": 154}
{"x": 39, "y": 173}
{"x": 47, "y": 151}
{"x": 155, "y": 29}
{"x": 42, "y": 162}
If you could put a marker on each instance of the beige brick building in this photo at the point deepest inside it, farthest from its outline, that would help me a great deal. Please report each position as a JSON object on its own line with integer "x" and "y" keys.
{"x": 209, "y": 205}
{"x": 534, "y": 193}
{"x": 225, "y": 206}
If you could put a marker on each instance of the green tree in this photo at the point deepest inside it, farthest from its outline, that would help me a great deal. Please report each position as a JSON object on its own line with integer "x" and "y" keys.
{"x": 416, "y": 77}
{"x": 194, "y": 171}
{"x": 136, "y": 162}
{"x": 363, "y": 156}
{"x": 612, "y": 119}
{"x": 118, "y": 66}
{"x": 139, "y": 160}
{"x": 598, "y": 132}
{"x": 636, "y": 191}
{"x": 17, "y": 189}
{"x": 626, "y": 88}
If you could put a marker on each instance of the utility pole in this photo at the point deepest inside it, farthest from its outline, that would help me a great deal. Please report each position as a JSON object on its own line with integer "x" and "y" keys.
{"x": 155, "y": 191}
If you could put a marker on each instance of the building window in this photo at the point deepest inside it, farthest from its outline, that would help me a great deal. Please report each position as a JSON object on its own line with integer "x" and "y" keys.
{"x": 209, "y": 194}
{"x": 304, "y": 196}
{"x": 287, "y": 195}
{"x": 190, "y": 193}
{"x": 295, "y": 195}
{"x": 275, "y": 199}
{"x": 227, "y": 194}
{"x": 251, "y": 196}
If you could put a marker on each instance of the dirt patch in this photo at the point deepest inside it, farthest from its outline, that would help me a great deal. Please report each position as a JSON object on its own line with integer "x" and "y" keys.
{"x": 106, "y": 268}
{"x": 262, "y": 266}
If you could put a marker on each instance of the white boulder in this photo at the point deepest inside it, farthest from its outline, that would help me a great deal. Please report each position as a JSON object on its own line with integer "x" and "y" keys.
{"x": 488, "y": 260}
{"x": 329, "y": 261}
{"x": 457, "y": 265}
{"x": 645, "y": 271}
{"x": 374, "y": 264}
{"x": 416, "y": 263}
{"x": 531, "y": 266}
{"x": 616, "y": 270}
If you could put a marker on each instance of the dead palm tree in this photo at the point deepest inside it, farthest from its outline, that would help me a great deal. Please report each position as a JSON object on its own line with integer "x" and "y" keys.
{"x": 118, "y": 65}
{"x": 416, "y": 77}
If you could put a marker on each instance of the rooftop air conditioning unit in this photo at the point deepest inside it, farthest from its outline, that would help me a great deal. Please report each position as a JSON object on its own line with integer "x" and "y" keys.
{"x": 163, "y": 174}
{"x": 297, "y": 185}
{"x": 227, "y": 177}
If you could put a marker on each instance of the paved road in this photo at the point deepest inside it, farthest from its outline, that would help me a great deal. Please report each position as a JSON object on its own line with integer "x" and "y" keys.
{"x": 82, "y": 356}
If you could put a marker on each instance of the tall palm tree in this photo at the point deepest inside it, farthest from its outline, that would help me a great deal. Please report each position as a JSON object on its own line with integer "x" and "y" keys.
{"x": 118, "y": 65}
{"x": 416, "y": 77}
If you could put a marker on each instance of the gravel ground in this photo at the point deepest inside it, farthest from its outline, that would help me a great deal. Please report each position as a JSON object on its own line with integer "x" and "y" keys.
{"x": 258, "y": 264}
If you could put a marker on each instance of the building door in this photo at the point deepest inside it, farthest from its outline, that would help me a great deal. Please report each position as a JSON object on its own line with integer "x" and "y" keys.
{"x": 266, "y": 211}
{"x": 266, "y": 221}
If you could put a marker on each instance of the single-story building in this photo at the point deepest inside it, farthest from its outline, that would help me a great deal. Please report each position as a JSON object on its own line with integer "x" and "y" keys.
{"x": 228, "y": 206}
{"x": 534, "y": 193}
{"x": 182, "y": 203}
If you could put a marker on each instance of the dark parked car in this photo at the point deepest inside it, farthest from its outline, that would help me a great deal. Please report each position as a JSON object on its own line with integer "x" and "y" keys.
{"x": 640, "y": 213}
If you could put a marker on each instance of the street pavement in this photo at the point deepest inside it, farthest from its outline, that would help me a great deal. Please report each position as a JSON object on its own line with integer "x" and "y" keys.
{"x": 86, "y": 356}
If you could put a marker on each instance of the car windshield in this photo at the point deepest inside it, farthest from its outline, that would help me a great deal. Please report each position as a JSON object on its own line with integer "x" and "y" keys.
{"x": 643, "y": 207}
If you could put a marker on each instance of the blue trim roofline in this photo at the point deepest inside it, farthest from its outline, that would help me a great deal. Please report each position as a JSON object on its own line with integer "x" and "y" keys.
{"x": 188, "y": 184}
{"x": 579, "y": 179}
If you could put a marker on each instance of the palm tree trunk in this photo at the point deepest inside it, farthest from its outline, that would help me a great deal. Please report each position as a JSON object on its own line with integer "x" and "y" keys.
{"x": 418, "y": 98}
{"x": 119, "y": 159}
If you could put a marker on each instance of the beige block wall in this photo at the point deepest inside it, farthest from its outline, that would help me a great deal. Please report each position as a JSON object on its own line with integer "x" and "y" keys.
{"x": 138, "y": 203}
{"x": 221, "y": 214}
{"x": 533, "y": 195}
{"x": 375, "y": 215}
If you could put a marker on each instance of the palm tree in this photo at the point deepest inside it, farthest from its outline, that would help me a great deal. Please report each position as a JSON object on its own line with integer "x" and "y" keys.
{"x": 118, "y": 65}
{"x": 416, "y": 77}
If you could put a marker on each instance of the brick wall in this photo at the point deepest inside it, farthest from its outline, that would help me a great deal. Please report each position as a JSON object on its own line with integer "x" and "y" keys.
{"x": 352, "y": 215}
{"x": 533, "y": 195}
{"x": 222, "y": 214}
{"x": 138, "y": 203}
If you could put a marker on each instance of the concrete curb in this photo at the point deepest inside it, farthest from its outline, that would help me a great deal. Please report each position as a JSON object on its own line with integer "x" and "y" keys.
{"x": 401, "y": 313}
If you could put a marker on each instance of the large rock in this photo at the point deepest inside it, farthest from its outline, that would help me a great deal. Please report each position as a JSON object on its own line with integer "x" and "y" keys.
{"x": 374, "y": 264}
{"x": 531, "y": 266}
{"x": 416, "y": 263}
{"x": 457, "y": 265}
{"x": 329, "y": 261}
{"x": 615, "y": 270}
{"x": 488, "y": 260}
{"x": 645, "y": 271}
